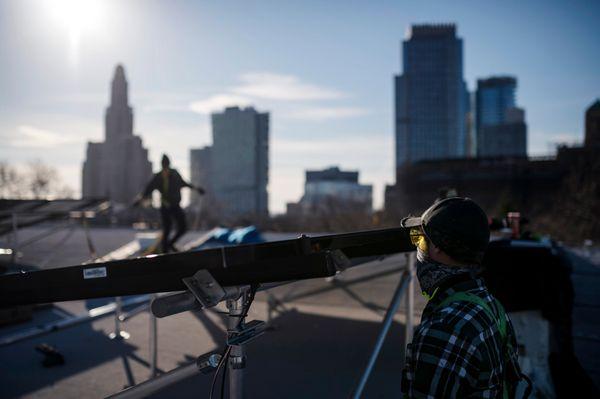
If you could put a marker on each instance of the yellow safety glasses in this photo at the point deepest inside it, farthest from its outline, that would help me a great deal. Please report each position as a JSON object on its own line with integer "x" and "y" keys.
{"x": 418, "y": 238}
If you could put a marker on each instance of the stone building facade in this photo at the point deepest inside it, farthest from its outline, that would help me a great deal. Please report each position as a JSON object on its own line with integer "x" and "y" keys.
{"x": 118, "y": 168}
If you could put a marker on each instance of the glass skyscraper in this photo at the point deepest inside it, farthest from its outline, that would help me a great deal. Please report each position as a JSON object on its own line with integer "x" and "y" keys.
{"x": 494, "y": 96}
{"x": 500, "y": 125}
{"x": 431, "y": 96}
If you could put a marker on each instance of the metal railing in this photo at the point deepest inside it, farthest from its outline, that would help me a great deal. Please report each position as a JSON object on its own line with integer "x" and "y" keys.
{"x": 406, "y": 284}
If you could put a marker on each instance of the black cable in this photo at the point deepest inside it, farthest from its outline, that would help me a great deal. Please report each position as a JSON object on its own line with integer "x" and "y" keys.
{"x": 224, "y": 379}
{"x": 225, "y": 358}
{"x": 529, "y": 386}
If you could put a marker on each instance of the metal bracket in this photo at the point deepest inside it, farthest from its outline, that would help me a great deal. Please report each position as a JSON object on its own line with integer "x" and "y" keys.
{"x": 237, "y": 362}
{"x": 205, "y": 288}
{"x": 207, "y": 363}
{"x": 247, "y": 333}
{"x": 340, "y": 260}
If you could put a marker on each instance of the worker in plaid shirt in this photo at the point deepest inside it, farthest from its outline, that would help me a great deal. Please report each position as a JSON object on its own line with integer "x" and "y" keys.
{"x": 465, "y": 346}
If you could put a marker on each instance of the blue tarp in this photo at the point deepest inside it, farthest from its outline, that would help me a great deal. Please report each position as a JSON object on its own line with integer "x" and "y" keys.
{"x": 221, "y": 236}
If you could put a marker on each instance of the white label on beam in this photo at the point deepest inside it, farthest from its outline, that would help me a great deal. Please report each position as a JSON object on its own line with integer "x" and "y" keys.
{"x": 96, "y": 272}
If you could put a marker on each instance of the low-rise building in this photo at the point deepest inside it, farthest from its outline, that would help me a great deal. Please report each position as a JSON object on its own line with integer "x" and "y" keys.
{"x": 333, "y": 191}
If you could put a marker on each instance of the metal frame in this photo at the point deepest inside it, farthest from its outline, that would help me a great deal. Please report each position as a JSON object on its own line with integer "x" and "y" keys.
{"x": 90, "y": 315}
{"x": 67, "y": 216}
{"x": 115, "y": 308}
{"x": 237, "y": 356}
{"x": 207, "y": 292}
{"x": 225, "y": 275}
{"x": 406, "y": 282}
{"x": 118, "y": 334}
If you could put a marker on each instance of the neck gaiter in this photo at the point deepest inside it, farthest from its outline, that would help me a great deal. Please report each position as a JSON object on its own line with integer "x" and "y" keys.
{"x": 431, "y": 273}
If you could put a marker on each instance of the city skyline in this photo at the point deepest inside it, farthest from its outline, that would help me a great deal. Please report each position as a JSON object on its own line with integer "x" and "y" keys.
{"x": 324, "y": 72}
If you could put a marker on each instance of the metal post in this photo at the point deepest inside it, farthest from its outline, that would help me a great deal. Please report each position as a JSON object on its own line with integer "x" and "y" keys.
{"x": 387, "y": 322}
{"x": 152, "y": 385}
{"x": 270, "y": 308}
{"x": 61, "y": 324}
{"x": 237, "y": 359}
{"x": 153, "y": 342}
{"x": 88, "y": 237}
{"x": 410, "y": 298}
{"x": 118, "y": 333}
{"x": 15, "y": 237}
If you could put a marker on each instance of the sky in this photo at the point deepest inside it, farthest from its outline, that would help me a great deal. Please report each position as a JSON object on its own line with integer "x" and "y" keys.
{"x": 322, "y": 69}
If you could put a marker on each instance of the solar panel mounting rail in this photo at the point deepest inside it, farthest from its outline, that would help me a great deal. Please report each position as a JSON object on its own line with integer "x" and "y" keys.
{"x": 301, "y": 258}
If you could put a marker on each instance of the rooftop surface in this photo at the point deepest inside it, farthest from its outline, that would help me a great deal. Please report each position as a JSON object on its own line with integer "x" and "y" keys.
{"x": 323, "y": 333}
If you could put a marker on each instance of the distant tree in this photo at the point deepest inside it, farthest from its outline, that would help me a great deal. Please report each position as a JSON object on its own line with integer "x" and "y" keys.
{"x": 11, "y": 184}
{"x": 576, "y": 213}
{"x": 42, "y": 179}
{"x": 36, "y": 181}
{"x": 328, "y": 215}
{"x": 65, "y": 192}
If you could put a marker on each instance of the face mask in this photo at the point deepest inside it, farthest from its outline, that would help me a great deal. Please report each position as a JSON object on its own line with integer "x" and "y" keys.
{"x": 431, "y": 273}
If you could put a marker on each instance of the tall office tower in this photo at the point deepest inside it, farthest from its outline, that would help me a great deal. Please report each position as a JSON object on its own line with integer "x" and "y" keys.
{"x": 240, "y": 163}
{"x": 471, "y": 137}
{"x": 500, "y": 125}
{"x": 592, "y": 125}
{"x": 494, "y": 95}
{"x": 431, "y": 96}
{"x": 118, "y": 168}
{"x": 200, "y": 176}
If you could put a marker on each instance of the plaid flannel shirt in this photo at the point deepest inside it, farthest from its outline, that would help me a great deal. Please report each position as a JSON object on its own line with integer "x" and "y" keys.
{"x": 457, "y": 350}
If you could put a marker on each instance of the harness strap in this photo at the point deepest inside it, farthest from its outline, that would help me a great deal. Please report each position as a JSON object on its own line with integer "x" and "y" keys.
{"x": 472, "y": 298}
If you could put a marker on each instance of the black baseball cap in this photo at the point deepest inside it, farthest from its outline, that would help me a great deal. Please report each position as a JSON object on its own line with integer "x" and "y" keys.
{"x": 456, "y": 225}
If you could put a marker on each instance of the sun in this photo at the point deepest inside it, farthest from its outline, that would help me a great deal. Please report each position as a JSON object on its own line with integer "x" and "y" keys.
{"x": 77, "y": 18}
{"x": 76, "y": 14}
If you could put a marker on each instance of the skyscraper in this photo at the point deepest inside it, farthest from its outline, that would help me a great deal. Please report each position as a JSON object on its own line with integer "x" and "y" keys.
{"x": 118, "y": 168}
{"x": 500, "y": 125}
{"x": 494, "y": 95}
{"x": 431, "y": 96}
{"x": 238, "y": 164}
{"x": 201, "y": 175}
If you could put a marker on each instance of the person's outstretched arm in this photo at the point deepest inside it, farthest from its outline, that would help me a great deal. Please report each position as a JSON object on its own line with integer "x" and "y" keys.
{"x": 183, "y": 183}
{"x": 151, "y": 186}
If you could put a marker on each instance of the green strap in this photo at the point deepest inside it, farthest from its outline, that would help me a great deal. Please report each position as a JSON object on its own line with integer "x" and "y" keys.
{"x": 430, "y": 297}
{"x": 501, "y": 320}
{"x": 472, "y": 298}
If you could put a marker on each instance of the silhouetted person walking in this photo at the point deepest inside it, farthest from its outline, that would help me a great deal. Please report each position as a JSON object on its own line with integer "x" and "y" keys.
{"x": 169, "y": 183}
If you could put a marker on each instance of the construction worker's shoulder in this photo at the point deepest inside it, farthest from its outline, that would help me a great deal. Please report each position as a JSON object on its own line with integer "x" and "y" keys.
{"x": 465, "y": 313}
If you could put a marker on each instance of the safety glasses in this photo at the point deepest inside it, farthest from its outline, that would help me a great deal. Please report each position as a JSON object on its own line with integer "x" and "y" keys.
{"x": 418, "y": 238}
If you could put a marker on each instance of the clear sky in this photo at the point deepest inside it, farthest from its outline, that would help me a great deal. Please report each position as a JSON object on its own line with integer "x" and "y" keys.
{"x": 323, "y": 69}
